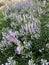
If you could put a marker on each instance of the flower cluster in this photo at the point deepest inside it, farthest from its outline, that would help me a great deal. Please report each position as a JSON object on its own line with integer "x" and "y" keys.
{"x": 25, "y": 37}
{"x": 10, "y": 61}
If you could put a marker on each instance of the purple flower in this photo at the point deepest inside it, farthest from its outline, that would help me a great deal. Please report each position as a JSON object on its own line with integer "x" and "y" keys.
{"x": 11, "y": 38}
{"x": 12, "y": 33}
{"x": 32, "y": 28}
{"x": 19, "y": 49}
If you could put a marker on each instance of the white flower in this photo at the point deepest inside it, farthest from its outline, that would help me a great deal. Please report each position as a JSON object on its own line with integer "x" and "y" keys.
{"x": 11, "y": 61}
{"x": 31, "y": 62}
{"x": 43, "y": 61}
{"x": 47, "y": 45}
{"x": 27, "y": 45}
{"x": 7, "y": 63}
{"x": 2, "y": 64}
{"x": 47, "y": 25}
{"x": 40, "y": 50}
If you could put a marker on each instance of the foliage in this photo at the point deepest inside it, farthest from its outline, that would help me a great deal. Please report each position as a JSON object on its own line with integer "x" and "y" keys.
{"x": 24, "y": 33}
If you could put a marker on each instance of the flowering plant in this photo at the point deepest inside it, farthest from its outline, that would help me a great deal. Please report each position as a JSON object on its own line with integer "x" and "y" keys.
{"x": 25, "y": 33}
